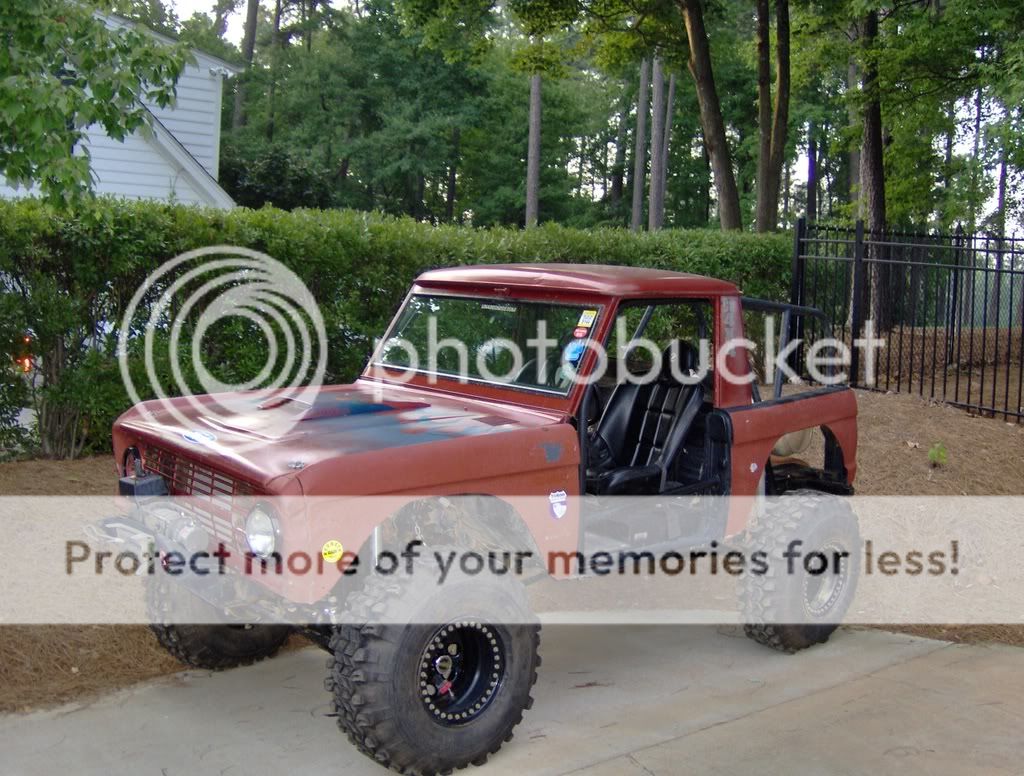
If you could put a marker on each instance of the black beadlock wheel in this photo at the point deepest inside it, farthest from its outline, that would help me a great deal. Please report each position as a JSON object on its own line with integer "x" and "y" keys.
{"x": 426, "y": 698}
{"x": 462, "y": 668}
{"x": 793, "y": 611}
{"x": 200, "y": 645}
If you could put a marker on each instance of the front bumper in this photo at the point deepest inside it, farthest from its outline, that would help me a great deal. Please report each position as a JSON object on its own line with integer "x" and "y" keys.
{"x": 232, "y": 597}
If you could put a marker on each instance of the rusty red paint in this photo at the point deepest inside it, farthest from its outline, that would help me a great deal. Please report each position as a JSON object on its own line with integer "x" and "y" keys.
{"x": 572, "y": 279}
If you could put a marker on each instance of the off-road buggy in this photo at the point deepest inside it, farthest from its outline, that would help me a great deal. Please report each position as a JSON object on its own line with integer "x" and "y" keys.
{"x": 426, "y": 679}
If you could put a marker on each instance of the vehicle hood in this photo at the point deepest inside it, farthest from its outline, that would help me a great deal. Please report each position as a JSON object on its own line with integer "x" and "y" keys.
{"x": 261, "y": 439}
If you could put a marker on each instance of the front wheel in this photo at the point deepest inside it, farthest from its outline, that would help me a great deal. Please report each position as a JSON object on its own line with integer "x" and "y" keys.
{"x": 427, "y": 678}
{"x": 201, "y": 645}
{"x": 812, "y": 543}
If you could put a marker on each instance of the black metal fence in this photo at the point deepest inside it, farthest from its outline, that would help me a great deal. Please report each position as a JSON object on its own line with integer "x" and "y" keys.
{"x": 949, "y": 309}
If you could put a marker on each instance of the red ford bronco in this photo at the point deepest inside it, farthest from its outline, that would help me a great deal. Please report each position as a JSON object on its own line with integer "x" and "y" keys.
{"x": 455, "y": 446}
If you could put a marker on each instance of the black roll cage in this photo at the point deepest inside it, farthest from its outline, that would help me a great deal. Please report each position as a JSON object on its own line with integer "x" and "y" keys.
{"x": 793, "y": 316}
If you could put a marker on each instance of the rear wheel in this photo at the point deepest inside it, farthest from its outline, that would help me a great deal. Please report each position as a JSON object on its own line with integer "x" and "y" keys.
{"x": 202, "y": 645}
{"x": 812, "y": 542}
{"x": 429, "y": 678}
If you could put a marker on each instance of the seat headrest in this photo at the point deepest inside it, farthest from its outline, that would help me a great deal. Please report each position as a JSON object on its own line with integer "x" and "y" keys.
{"x": 681, "y": 354}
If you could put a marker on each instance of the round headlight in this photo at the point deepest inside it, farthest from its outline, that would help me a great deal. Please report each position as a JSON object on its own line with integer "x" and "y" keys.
{"x": 261, "y": 532}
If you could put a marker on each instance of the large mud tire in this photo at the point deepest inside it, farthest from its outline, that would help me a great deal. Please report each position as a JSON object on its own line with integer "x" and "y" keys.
{"x": 778, "y": 607}
{"x": 377, "y": 655}
{"x": 200, "y": 645}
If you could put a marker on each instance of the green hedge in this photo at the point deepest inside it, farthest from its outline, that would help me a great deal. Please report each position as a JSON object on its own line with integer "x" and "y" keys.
{"x": 66, "y": 279}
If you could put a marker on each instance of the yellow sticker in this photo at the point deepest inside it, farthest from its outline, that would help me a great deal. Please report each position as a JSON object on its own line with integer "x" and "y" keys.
{"x": 332, "y": 551}
{"x": 587, "y": 318}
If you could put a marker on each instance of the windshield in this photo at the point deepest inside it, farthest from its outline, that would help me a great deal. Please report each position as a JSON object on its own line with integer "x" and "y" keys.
{"x": 528, "y": 345}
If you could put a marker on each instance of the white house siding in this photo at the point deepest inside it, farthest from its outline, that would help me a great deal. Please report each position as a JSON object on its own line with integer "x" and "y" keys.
{"x": 137, "y": 169}
{"x": 194, "y": 117}
{"x": 155, "y": 164}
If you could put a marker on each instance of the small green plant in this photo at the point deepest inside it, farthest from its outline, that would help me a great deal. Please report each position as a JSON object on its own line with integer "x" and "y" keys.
{"x": 937, "y": 455}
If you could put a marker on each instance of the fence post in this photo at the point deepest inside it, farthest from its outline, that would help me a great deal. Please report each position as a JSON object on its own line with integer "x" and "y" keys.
{"x": 796, "y": 281}
{"x": 796, "y": 292}
{"x": 954, "y": 301}
{"x": 857, "y": 302}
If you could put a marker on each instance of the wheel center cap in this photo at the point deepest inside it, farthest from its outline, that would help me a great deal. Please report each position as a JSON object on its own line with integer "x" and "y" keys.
{"x": 443, "y": 664}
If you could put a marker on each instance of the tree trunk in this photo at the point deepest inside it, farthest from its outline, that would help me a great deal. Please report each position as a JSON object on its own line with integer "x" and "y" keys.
{"x": 1001, "y": 191}
{"x": 248, "y": 49}
{"x": 619, "y": 167}
{"x": 310, "y": 25}
{"x": 711, "y": 115}
{"x": 221, "y": 10}
{"x": 995, "y": 295}
{"x": 581, "y": 143}
{"x": 872, "y": 175}
{"x": 854, "y": 157}
{"x": 872, "y": 165}
{"x": 785, "y": 200}
{"x": 274, "y": 44}
{"x": 420, "y": 196}
{"x": 449, "y": 197}
{"x": 812, "y": 173}
{"x": 947, "y": 164}
{"x": 975, "y": 158}
{"x": 533, "y": 154}
{"x": 764, "y": 116}
{"x": 654, "y": 205}
{"x": 640, "y": 147}
{"x": 826, "y": 181}
{"x": 707, "y": 180}
{"x": 780, "y": 115}
{"x": 773, "y": 123}
{"x": 666, "y": 142}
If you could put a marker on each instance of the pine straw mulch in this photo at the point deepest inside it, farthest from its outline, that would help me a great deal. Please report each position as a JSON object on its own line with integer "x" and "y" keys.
{"x": 47, "y": 665}
{"x": 985, "y": 456}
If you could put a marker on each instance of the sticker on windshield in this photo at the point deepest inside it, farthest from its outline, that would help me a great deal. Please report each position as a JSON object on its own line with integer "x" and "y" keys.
{"x": 587, "y": 318}
{"x": 559, "y": 506}
{"x": 574, "y": 350}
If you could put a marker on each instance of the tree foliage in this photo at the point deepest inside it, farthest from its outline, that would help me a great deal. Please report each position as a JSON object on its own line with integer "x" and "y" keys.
{"x": 421, "y": 107}
{"x": 63, "y": 68}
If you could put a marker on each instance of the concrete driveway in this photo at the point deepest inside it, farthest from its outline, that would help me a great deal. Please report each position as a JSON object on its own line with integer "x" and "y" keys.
{"x": 610, "y": 700}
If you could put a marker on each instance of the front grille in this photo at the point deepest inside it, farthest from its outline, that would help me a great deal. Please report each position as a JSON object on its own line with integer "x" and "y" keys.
{"x": 220, "y": 501}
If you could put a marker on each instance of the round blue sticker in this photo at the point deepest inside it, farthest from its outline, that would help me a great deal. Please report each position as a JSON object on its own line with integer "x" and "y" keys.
{"x": 574, "y": 351}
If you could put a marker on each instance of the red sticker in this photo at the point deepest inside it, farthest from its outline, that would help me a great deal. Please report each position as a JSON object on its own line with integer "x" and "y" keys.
{"x": 581, "y": 332}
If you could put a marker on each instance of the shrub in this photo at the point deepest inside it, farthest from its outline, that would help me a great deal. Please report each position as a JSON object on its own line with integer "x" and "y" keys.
{"x": 68, "y": 277}
{"x": 13, "y": 396}
{"x": 257, "y": 173}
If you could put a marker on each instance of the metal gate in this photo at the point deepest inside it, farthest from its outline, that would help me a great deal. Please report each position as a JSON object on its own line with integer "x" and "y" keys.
{"x": 949, "y": 308}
